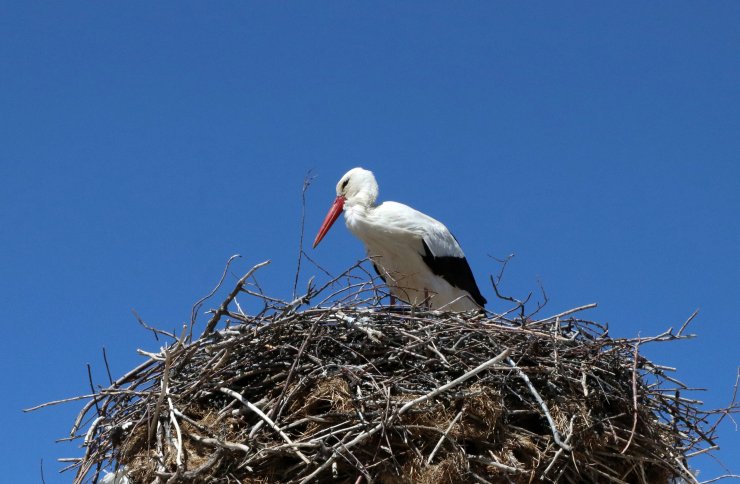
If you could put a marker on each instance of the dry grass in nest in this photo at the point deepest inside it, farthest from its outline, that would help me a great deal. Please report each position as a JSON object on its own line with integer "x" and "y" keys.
{"x": 351, "y": 391}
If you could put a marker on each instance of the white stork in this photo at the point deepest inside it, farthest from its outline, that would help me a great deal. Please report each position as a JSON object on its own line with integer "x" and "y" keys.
{"x": 417, "y": 257}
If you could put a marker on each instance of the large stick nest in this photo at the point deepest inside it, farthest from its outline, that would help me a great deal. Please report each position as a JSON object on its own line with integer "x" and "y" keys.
{"x": 352, "y": 391}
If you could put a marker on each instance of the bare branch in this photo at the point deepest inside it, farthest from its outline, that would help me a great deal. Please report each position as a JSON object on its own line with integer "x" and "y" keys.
{"x": 225, "y": 305}
{"x": 199, "y": 303}
{"x": 306, "y": 183}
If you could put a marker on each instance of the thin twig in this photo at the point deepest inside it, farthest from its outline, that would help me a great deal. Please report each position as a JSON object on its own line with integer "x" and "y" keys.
{"x": 444, "y": 436}
{"x": 178, "y": 442}
{"x": 107, "y": 367}
{"x": 634, "y": 400}
{"x": 267, "y": 420}
{"x": 223, "y": 309}
{"x": 542, "y": 404}
{"x": 306, "y": 183}
{"x": 470, "y": 374}
{"x": 162, "y": 394}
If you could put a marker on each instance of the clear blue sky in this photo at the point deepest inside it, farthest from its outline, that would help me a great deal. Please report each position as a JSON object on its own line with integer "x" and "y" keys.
{"x": 143, "y": 143}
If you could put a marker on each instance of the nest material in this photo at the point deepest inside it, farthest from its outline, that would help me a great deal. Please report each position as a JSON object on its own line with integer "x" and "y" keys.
{"x": 352, "y": 393}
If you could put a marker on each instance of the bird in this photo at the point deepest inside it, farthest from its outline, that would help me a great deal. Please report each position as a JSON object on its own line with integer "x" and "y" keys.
{"x": 417, "y": 257}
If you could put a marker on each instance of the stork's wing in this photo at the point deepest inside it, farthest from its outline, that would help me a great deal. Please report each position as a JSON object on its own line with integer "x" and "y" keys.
{"x": 454, "y": 270}
{"x": 441, "y": 251}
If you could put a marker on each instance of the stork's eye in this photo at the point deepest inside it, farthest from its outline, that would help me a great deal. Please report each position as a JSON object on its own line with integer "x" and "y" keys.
{"x": 344, "y": 184}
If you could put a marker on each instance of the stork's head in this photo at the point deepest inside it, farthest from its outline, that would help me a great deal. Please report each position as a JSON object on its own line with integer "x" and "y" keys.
{"x": 356, "y": 187}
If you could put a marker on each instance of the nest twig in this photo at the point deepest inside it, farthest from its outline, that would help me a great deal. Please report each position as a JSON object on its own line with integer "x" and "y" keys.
{"x": 349, "y": 390}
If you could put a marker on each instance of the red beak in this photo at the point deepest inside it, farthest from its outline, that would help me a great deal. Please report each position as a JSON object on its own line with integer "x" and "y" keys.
{"x": 331, "y": 217}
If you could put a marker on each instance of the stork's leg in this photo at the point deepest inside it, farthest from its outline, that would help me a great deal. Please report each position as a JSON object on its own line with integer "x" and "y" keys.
{"x": 393, "y": 300}
{"x": 427, "y": 302}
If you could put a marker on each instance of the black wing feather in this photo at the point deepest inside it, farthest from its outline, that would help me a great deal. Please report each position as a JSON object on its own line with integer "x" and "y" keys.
{"x": 454, "y": 270}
